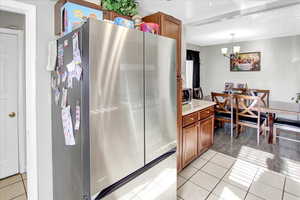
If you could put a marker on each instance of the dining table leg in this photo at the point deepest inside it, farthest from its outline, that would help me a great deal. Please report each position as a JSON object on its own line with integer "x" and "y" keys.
{"x": 271, "y": 117}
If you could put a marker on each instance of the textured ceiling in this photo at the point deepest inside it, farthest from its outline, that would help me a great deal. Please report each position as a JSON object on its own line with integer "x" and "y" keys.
{"x": 209, "y": 22}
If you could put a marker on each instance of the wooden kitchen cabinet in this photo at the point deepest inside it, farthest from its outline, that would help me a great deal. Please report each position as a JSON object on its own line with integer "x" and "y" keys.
{"x": 205, "y": 134}
{"x": 197, "y": 134}
{"x": 189, "y": 146}
{"x": 169, "y": 27}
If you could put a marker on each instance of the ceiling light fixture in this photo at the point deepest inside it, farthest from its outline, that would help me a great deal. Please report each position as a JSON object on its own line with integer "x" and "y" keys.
{"x": 235, "y": 51}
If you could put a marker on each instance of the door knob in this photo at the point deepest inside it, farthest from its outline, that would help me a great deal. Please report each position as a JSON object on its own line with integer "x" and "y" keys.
{"x": 12, "y": 114}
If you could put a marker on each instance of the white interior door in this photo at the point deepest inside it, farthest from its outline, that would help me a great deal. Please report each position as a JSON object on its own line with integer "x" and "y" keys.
{"x": 9, "y": 153}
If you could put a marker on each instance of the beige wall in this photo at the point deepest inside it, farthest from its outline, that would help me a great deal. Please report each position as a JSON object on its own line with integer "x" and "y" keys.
{"x": 280, "y": 67}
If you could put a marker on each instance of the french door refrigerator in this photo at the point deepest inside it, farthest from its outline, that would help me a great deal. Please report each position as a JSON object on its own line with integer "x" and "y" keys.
{"x": 127, "y": 99}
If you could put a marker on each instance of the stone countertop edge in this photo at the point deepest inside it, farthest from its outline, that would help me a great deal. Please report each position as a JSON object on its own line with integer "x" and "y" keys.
{"x": 196, "y": 105}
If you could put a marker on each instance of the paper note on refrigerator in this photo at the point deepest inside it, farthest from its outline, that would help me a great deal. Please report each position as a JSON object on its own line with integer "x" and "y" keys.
{"x": 64, "y": 98}
{"x": 56, "y": 95}
{"x": 77, "y": 122}
{"x": 52, "y": 55}
{"x": 70, "y": 80}
{"x": 78, "y": 72}
{"x": 76, "y": 51}
{"x": 71, "y": 66}
{"x": 58, "y": 78}
{"x": 67, "y": 126}
{"x": 64, "y": 76}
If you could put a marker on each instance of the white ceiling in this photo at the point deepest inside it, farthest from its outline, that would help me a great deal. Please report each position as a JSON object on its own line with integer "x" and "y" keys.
{"x": 268, "y": 21}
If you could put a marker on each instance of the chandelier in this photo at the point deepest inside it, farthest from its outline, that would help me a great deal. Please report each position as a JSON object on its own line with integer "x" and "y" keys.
{"x": 235, "y": 51}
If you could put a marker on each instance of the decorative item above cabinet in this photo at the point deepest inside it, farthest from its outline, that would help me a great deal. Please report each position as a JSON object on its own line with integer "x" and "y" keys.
{"x": 122, "y": 7}
{"x": 77, "y": 12}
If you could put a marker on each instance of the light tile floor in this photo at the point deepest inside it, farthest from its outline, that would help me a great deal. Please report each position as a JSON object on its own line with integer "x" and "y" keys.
{"x": 14, "y": 187}
{"x": 158, "y": 183}
{"x": 216, "y": 176}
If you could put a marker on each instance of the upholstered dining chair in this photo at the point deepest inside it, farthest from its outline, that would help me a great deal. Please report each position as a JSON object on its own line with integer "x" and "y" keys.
{"x": 285, "y": 124}
{"x": 223, "y": 107}
{"x": 248, "y": 114}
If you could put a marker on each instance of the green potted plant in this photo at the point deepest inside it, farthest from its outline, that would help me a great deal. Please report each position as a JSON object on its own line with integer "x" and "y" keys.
{"x": 123, "y": 7}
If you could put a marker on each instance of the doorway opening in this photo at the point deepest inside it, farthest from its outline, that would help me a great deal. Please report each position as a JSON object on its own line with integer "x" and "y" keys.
{"x": 12, "y": 103}
{"x": 18, "y": 86}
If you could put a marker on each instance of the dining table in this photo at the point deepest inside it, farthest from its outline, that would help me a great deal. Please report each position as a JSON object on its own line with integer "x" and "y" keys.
{"x": 274, "y": 108}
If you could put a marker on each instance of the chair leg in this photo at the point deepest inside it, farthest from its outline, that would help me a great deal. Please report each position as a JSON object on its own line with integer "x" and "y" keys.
{"x": 222, "y": 124}
{"x": 258, "y": 134}
{"x": 274, "y": 134}
{"x": 237, "y": 130}
{"x": 265, "y": 128}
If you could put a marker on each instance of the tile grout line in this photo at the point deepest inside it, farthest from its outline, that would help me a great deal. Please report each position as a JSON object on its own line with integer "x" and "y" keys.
{"x": 196, "y": 171}
{"x": 220, "y": 180}
{"x": 283, "y": 191}
{"x": 17, "y": 197}
{"x": 266, "y": 169}
{"x": 197, "y": 168}
{"x": 24, "y": 186}
{"x": 10, "y": 184}
{"x": 248, "y": 190}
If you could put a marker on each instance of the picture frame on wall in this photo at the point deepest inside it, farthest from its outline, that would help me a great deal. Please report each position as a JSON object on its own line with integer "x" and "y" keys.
{"x": 246, "y": 62}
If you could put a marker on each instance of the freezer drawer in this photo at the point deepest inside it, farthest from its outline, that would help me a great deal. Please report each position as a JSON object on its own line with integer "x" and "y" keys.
{"x": 116, "y": 103}
{"x": 160, "y": 95}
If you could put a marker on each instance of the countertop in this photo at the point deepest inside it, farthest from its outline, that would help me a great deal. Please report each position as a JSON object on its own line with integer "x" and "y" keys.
{"x": 195, "y": 106}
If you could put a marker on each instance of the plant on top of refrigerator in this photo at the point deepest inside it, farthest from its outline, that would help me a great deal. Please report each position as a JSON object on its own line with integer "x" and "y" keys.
{"x": 123, "y": 7}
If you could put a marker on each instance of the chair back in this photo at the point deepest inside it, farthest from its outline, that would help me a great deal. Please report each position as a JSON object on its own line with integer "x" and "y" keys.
{"x": 223, "y": 102}
{"x": 198, "y": 93}
{"x": 247, "y": 106}
{"x": 240, "y": 90}
{"x": 264, "y": 95}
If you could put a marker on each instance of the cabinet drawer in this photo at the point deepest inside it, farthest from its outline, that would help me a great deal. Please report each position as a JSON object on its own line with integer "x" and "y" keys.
{"x": 207, "y": 113}
{"x": 189, "y": 119}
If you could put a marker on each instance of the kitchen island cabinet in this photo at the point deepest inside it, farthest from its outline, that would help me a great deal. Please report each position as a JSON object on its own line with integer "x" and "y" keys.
{"x": 198, "y": 130}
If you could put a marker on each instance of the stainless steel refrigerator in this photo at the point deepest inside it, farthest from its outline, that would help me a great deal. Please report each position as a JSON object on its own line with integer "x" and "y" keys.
{"x": 127, "y": 98}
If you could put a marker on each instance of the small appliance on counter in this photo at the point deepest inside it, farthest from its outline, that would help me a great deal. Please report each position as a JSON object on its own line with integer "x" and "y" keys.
{"x": 187, "y": 95}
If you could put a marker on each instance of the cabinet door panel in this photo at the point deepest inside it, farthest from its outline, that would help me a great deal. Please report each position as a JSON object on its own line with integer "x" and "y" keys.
{"x": 190, "y": 135}
{"x": 206, "y": 132}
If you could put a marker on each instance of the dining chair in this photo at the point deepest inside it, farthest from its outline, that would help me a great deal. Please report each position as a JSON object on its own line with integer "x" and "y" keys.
{"x": 223, "y": 107}
{"x": 263, "y": 94}
{"x": 198, "y": 93}
{"x": 285, "y": 124}
{"x": 248, "y": 114}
